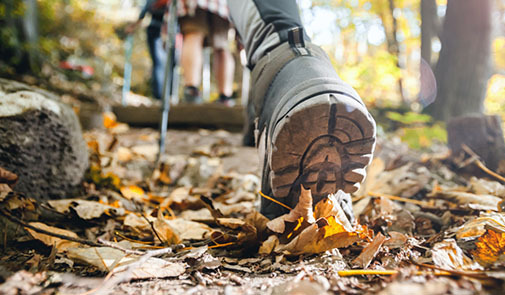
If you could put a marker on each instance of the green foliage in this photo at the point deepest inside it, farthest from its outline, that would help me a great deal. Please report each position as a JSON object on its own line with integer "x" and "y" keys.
{"x": 409, "y": 118}
{"x": 419, "y": 137}
{"x": 416, "y": 130}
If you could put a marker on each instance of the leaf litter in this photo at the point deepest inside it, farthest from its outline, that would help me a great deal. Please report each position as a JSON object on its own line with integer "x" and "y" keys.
{"x": 421, "y": 225}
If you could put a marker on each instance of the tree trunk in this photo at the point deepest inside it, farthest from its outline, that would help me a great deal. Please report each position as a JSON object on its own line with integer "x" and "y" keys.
{"x": 394, "y": 45}
{"x": 30, "y": 25}
{"x": 429, "y": 28}
{"x": 464, "y": 64}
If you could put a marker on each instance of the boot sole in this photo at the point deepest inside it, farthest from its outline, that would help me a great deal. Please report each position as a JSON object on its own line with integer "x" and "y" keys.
{"x": 323, "y": 143}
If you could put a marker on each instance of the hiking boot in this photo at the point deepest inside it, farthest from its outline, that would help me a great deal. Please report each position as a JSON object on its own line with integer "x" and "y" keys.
{"x": 192, "y": 95}
{"x": 314, "y": 129}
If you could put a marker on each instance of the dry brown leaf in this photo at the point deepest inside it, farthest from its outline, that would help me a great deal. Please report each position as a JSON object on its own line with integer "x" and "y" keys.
{"x": 196, "y": 215}
{"x": 368, "y": 254}
{"x": 60, "y": 244}
{"x": 269, "y": 245}
{"x": 133, "y": 220}
{"x": 396, "y": 240}
{"x": 174, "y": 231}
{"x": 232, "y": 223}
{"x": 490, "y": 249}
{"x": 477, "y": 227}
{"x": 472, "y": 201}
{"x": 7, "y": 177}
{"x": 147, "y": 151}
{"x": 123, "y": 154}
{"x": 448, "y": 255}
{"x": 302, "y": 210}
{"x": 104, "y": 258}
{"x": 151, "y": 269}
{"x": 85, "y": 209}
{"x": 481, "y": 186}
{"x": 300, "y": 233}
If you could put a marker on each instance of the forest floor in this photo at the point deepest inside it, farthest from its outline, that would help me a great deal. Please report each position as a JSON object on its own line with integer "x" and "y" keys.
{"x": 428, "y": 223}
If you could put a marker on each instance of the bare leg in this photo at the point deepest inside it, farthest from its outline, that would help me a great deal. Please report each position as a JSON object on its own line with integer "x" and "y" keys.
{"x": 224, "y": 69}
{"x": 192, "y": 58}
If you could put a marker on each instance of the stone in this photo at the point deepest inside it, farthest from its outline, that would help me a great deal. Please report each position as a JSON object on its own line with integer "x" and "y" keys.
{"x": 40, "y": 141}
{"x": 483, "y": 135}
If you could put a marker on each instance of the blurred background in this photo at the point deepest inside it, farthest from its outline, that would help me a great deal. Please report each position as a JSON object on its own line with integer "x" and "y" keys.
{"x": 416, "y": 63}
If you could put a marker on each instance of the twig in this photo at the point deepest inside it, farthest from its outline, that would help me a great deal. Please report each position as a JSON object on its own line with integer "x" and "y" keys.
{"x": 113, "y": 278}
{"x": 401, "y": 199}
{"x": 150, "y": 224}
{"x": 115, "y": 246}
{"x": 274, "y": 200}
{"x": 362, "y": 272}
{"x": 475, "y": 159}
{"x": 45, "y": 232}
{"x": 476, "y": 275}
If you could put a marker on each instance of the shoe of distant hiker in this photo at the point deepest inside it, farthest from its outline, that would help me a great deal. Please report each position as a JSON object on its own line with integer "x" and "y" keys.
{"x": 192, "y": 95}
{"x": 312, "y": 128}
{"x": 226, "y": 100}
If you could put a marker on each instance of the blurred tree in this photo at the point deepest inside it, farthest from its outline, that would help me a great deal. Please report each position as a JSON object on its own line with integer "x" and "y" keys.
{"x": 464, "y": 64}
{"x": 19, "y": 35}
{"x": 430, "y": 26}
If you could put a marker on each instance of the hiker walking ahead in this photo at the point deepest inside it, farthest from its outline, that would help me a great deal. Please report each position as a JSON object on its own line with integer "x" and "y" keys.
{"x": 156, "y": 8}
{"x": 205, "y": 21}
{"x": 201, "y": 21}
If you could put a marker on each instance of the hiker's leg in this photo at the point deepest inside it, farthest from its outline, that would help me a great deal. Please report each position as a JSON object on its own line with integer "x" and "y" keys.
{"x": 224, "y": 65}
{"x": 194, "y": 30}
{"x": 263, "y": 24}
{"x": 158, "y": 58}
{"x": 192, "y": 58}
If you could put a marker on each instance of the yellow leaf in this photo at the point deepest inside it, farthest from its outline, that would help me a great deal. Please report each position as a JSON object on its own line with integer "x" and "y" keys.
{"x": 133, "y": 192}
{"x": 109, "y": 120}
{"x": 490, "y": 248}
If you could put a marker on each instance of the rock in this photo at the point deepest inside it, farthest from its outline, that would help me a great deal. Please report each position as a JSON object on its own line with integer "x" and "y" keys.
{"x": 40, "y": 141}
{"x": 483, "y": 135}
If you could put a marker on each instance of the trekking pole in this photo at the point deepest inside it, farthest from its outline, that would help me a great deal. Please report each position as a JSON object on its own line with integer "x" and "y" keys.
{"x": 127, "y": 75}
{"x": 171, "y": 24}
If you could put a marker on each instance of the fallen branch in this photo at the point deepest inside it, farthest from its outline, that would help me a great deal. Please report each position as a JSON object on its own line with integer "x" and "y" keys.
{"x": 475, "y": 159}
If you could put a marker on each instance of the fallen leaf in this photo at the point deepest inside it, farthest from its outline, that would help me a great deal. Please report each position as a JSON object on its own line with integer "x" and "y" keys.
{"x": 85, "y": 209}
{"x": 302, "y": 210}
{"x": 269, "y": 245}
{"x": 481, "y": 186}
{"x": 148, "y": 151}
{"x": 104, "y": 258}
{"x": 368, "y": 254}
{"x": 24, "y": 282}
{"x": 152, "y": 268}
{"x": 475, "y": 228}
{"x": 60, "y": 244}
{"x": 490, "y": 249}
{"x": 174, "y": 231}
{"x": 124, "y": 154}
{"x": 448, "y": 255}
{"x": 472, "y": 201}
{"x": 300, "y": 233}
{"x": 133, "y": 192}
{"x": 396, "y": 240}
{"x": 7, "y": 177}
